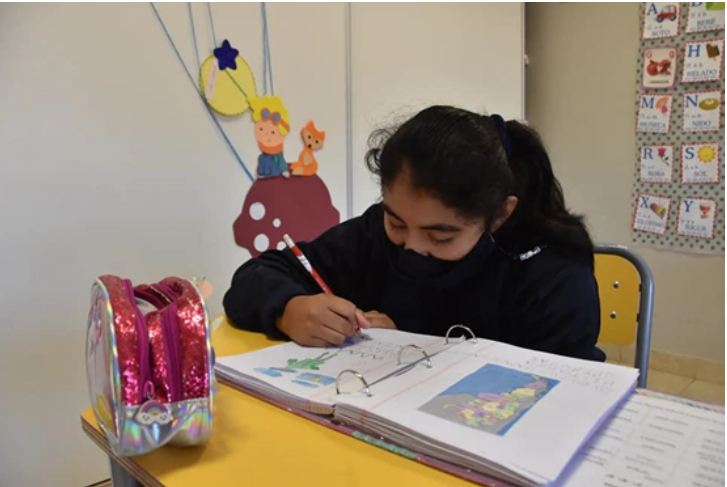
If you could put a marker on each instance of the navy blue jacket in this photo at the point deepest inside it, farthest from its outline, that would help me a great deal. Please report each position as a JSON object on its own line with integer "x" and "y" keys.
{"x": 548, "y": 302}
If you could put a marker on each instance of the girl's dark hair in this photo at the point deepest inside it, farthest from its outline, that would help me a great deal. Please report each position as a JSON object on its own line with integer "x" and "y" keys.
{"x": 459, "y": 157}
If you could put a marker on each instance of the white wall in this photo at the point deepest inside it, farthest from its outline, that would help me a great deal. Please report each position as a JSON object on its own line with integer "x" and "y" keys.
{"x": 109, "y": 164}
{"x": 410, "y": 55}
{"x": 689, "y": 316}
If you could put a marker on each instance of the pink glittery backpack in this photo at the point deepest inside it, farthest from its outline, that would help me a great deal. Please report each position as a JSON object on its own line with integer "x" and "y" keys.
{"x": 149, "y": 363}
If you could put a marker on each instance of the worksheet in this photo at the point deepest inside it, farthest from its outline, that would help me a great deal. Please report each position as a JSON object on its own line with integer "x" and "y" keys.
{"x": 652, "y": 441}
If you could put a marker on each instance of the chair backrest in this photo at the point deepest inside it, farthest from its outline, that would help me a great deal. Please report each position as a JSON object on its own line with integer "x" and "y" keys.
{"x": 626, "y": 291}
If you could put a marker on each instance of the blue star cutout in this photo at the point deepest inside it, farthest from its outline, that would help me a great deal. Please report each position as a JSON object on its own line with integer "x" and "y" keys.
{"x": 226, "y": 55}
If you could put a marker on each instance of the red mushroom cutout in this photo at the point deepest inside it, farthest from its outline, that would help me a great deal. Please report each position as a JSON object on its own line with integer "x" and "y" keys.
{"x": 298, "y": 206}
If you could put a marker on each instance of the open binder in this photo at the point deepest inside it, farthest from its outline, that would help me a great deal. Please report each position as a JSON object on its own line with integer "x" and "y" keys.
{"x": 425, "y": 358}
{"x": 477, "y": 408}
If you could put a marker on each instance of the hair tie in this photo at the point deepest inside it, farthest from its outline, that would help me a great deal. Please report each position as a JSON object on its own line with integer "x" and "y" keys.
{"x": 504, "y": 136}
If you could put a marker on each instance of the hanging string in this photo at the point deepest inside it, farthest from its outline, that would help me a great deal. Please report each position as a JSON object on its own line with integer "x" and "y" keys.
{"x": 234, "y": 81}
{"x": 196, "y": 49}
{"x": 200, "y": 94}
{"x": 212, "y": 24}
{"x": 267, "y": 57}
{"x": 214, "y": 37}
{"x": 194, "y": 35}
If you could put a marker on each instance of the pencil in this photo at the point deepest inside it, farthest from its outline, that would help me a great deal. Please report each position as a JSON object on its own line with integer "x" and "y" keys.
{"x": 308, "y": 267}
{"x": 306, "y": 263}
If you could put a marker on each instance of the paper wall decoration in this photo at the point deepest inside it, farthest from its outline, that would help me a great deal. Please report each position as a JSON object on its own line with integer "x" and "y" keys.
{"x": 702, "y": 111}
{"x": 226, "y": 81}
{"x": 271, "y": 127}
{"x": 696, "y": 218}
{"x": 276, "y": 203}
{"x": 659, "y": 67}
{"x": 705, "y": 17}
{"x": 657, "y": 164}
{"x": 284, "y": 199}
{"x": 693, "y": 139}
{"x": 654, "y": 113}
{"x": 313, "y": 140}
{"x": 703, "y": 61}
{"x": 661, "y": 20}
{"x": 299, "y": 206}
{"x": 700, "y": 163}
{"x": 651, "y": 214}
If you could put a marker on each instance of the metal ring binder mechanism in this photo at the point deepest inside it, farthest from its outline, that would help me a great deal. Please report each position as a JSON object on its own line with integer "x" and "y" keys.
{"x": 417, "y": 347}
{"x": 465, "y": 328}
{"x": 358, "y": 375}
{"x": 426, "y": 359}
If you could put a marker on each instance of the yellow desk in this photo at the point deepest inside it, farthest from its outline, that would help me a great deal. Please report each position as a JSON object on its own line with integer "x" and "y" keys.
{"x": 254, "y": 443}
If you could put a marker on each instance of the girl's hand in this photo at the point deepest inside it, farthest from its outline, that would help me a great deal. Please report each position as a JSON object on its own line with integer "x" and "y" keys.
{"x": 321, "y": 320}
{"x": 379, "y": 320}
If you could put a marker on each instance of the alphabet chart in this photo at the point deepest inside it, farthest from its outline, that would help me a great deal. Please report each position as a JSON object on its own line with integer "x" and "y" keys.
{"x": 678, "y": 193}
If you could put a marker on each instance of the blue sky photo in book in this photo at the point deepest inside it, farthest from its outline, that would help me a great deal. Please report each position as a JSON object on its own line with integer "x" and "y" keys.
{"x": 492, "y": 399}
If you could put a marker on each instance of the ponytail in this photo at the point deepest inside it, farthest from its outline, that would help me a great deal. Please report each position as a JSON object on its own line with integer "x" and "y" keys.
{"x": 541, "y": 216}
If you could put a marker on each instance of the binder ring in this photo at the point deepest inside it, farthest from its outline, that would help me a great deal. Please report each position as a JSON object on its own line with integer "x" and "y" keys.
{"x": 358, "y": 375}
{"x": 465, "y": 328}
{"x": 417, "y": 347}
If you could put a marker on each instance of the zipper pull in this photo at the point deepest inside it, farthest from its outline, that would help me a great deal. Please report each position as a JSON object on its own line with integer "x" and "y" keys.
{"x": 149, "y": 390}
{"x": 152, "y": 411}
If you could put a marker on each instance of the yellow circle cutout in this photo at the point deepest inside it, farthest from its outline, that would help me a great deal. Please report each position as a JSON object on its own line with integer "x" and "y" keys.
{"x": 227, "y": 91}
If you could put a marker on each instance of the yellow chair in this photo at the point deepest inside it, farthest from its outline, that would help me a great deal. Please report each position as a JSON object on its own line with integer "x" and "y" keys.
{"x": 626, "y": 290}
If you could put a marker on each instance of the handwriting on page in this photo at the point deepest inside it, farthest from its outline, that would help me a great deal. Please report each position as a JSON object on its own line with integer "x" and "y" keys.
{"x": 371, "y": 349}
{"x": 598, "y": 380}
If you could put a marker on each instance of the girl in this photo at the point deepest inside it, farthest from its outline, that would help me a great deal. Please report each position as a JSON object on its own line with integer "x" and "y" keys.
{"x": 472, "y": 229}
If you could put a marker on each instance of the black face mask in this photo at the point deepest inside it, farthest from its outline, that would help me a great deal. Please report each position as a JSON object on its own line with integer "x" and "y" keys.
{"x": 412, "y": 266}
{"x": 415, "y": 266}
